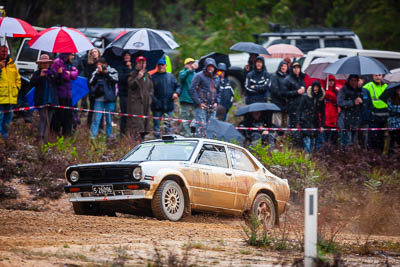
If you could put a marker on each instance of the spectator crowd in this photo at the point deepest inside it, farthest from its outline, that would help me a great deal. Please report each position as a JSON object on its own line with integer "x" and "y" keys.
{"x": 203, "y": 94}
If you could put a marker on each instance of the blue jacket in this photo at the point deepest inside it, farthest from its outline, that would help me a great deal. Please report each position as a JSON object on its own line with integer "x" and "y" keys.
{"x": 165, "y": 85}
{"x": 226, "y": 93}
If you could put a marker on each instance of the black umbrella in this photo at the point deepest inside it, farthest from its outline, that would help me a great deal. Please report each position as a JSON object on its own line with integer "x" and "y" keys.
{"x": 223, "y": 131}
{"x": 218, "y": 57}
{"x": 257, "y": 107}
{"x": 249, "y": 48}
{"x": 358, "y": 65}
{"x": 389, "y": 91}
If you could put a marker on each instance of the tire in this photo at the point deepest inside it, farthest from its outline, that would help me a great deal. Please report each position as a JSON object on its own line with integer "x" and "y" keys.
{"x": 168, "y": 202}
{"x": 236, "y": 84}
{"x": 264, "y": 209}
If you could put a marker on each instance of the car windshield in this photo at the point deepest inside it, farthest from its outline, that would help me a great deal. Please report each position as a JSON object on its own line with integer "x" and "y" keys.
{"x": 175, "y": 150}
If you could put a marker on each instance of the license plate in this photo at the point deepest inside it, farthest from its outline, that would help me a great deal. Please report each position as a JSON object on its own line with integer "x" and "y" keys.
{"x": 102, "y": 190}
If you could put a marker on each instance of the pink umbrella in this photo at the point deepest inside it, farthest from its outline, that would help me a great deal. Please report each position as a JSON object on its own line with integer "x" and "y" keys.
{"x": 284, "y": 50}
{"x": 12, "y": 27}
{"x": 61, "y": 40}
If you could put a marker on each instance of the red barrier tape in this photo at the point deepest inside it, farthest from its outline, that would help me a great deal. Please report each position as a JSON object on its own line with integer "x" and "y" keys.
{"x": 197, "y": 122}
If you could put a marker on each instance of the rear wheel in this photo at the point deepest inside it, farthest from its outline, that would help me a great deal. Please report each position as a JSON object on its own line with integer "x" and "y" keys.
{"x": 264, "y": 209}
{"x": 168, "y": 202}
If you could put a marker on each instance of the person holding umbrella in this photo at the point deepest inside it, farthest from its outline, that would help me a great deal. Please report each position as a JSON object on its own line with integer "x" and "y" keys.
{"x": 258, "y": 83}
{"x": 64, "y": 117}
{"x": 10, "y": 83}
{"x": 140, "y": 93}
{"x": 45, "y": 80}
{"x": 350, "y": 101}
{"x": 123, "y": 74}
{"x": 205, "y": 92}
{"x": 379, "y": 114}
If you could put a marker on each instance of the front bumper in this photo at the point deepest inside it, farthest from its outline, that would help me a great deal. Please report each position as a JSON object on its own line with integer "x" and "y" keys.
{"x": 122, "y": 191}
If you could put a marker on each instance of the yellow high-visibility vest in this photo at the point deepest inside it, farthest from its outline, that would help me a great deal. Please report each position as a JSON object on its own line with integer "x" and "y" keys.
{"x": 375, "y": 92}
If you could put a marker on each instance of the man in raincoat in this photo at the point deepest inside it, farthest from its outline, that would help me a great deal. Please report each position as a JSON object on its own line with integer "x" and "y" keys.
{"x": 10, "y": 83}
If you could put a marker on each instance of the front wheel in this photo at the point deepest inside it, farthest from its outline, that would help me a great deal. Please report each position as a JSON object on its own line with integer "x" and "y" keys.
{"x": 168, "y": 202}
{"x": 264, "y": 209}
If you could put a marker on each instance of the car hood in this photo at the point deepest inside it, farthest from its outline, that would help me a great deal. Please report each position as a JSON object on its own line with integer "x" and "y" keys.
{"x": 112, "y": 164}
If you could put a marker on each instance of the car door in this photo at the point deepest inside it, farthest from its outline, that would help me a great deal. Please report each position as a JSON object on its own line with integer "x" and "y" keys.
{"x": 213, "y": 185}
{"x": 245, "y": 173}
{"x": 26, "y": 58}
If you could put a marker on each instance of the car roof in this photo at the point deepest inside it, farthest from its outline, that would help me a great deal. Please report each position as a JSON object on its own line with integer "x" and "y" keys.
{"x": 181, "y": 138}
{"x": 361, "y": 52}
{"x": 321, "y": 32}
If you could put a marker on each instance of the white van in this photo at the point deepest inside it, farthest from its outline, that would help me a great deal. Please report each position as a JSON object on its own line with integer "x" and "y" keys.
{"x": 390, "y": 59}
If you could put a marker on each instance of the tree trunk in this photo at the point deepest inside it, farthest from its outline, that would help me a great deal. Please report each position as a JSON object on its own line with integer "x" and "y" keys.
{"x": 126, "y": 13}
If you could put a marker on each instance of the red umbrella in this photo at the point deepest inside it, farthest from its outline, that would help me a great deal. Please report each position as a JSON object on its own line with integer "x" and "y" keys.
{"x": 12, "y": 27}
{"x": 61, "y": 40}
{"x": 284, "y": 50}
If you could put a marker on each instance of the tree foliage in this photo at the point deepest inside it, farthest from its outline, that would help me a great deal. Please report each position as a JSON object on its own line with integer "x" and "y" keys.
{"x": 204, "y": 26}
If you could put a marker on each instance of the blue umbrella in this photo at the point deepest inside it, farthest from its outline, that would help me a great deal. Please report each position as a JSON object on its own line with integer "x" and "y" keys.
{"x": 223, "y": 131}
{"x": 79, "y": 90}
{"x": 257, "y": 107}
{"x": 358, "y": 65}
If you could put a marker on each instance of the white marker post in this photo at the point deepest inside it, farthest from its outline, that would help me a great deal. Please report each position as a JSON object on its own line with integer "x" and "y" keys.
{"x": 310, "y": 226}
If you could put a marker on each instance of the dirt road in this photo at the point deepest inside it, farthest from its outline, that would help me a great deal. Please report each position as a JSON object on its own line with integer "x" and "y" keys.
{"x": 29, "y": 238}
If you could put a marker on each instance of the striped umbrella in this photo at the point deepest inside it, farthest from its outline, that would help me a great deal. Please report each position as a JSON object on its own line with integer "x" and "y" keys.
{"x": 61, "y": 40}
{"x": 12, "y": 27}
{"x": 145, "y": 40}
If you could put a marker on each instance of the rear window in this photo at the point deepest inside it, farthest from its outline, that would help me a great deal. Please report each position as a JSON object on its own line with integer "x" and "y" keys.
{"x": 390, "y": 63}
{"x": 307, "y": 45}
{"x": 340, "y": 42}
{"x": 27, "y": 53}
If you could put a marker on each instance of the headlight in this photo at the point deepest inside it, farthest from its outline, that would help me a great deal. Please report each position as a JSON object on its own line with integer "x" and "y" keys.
{"x": 137, "y": 173}
{"x": 74, "y": 176}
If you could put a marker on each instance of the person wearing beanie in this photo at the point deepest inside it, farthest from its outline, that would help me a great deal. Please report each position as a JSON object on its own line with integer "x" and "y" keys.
{"x": 350, "y": 101}
{"x": 258, "y": 83}
{"x": 311, "y": 114}
{"x": 166, "y": 90}
{"x": 225, "y": 88}
{"x": 205, "y": 92}
{"x": 185, "y": 78}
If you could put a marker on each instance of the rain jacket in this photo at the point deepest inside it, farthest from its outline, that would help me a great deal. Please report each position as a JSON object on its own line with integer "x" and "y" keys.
{"x": 311, "y": 110}
{"x": 105, "y": 83}
{"x": 331, "y": 107}
{"x": 258, "y": 84}
{"x": 205, "y": 87}
{"x": 185, "y": 78}
{"x": 10, "y": 83}
{"x": 375, "y": 91}
{"x": 123, "y": 73}
{"x": 226, "y": 93}
{"x": 165, "y": 85}
{"x": 45, "y": 87}
{"x": 65, "y": 89}
{"x": 350, "y": 113}
{"x": 140, "y": 93}
{"x": 291, "y": 84}
{"x": 278, "y": 87}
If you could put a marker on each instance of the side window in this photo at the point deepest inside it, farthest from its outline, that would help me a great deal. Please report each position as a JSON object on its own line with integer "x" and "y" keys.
{"x": 213, "y": 155}
{"x": 341, "y": 42}
{"x": 27, "y": 53}
{"x": 307, "y": 45}
{"x": 240, "y": 161}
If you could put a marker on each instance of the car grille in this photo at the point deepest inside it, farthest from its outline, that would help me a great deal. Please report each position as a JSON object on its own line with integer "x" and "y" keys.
{"x": 105, "y": 175}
